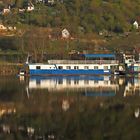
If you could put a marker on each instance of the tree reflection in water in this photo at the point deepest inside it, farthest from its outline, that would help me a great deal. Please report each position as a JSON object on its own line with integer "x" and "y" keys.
{"x": 67, "y": 114}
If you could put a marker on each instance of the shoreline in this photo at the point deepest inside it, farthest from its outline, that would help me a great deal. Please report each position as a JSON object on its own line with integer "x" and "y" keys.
{"x": 9, "y": 69}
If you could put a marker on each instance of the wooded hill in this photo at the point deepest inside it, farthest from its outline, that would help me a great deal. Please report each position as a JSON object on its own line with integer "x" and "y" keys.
{"x": 84, "y": 19}
{"x": 79, "y": 16}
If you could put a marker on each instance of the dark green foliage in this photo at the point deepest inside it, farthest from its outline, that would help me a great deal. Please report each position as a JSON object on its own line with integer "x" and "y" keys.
{"x": 92, "y": 15}
{"x": 10, "y": 43}
{"x": 82, "y": 18}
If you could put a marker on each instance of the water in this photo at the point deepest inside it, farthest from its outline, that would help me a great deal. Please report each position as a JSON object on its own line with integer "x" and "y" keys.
{"x": 69, "y": 108}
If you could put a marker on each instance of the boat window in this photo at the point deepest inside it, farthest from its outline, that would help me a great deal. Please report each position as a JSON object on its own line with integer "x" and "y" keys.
{"x": 38, "y": 67}
{"x": 113, "y": 67}
{"x": 69, "y": 82}
{"x": 130, "y": 60}
{"x": 105, "y": 67}
{"x": 76, "y": 82}
{"x": 95, "y": 82}
{"x": 86, "y": 82}
{"x": 68, "y": 67}
{"x": 60, "y": 67}
{"x": 22, "y": 70}
{"x": 60, "y": 82}
{"x": 86, "y": 67}
{"x": 106, "y": 82}
{"x": 37, "y": 82}
{"x": 76, "y": 67}
{"x": 95, "y": 67}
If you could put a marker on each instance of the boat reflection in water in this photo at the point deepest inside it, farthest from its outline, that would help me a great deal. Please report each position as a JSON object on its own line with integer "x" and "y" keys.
{"x": 87, "y": 85}
{"x": 132, "y": 87}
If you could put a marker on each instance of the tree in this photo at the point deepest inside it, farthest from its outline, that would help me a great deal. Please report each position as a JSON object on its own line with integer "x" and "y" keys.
{"x": 19, "y": 3}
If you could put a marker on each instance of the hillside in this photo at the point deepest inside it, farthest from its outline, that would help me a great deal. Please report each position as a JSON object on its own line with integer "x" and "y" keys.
{"x": 79, "y": 16}
{"x": 94, "y": 26}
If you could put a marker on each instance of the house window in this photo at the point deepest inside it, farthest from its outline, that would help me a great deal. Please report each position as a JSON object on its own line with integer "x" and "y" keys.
{"x": 60, "y": 67}
{"x": 105, "y": 67}
{"x": 38, "y": 67}
{"x": 86, "y": 67}
{"x": 68, "y": 67}
{"x": 96, "y": 67}
{"x": 76, "y": 67}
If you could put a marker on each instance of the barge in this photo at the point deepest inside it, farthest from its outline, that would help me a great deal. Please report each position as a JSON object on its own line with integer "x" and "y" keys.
{"x": 92, "y": 64}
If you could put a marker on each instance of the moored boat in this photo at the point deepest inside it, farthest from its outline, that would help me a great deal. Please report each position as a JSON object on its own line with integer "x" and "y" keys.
{"x": 92, "y": 64}
{"x": 132, "y": 66}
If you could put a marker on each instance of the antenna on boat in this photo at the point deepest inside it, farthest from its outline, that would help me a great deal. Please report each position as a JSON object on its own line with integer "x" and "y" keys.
{"x": 27, "y": 60}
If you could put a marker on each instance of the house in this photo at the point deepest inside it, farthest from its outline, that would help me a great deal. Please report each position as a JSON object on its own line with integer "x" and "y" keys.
{"x": 136, "y": 25}
{"x": 21, "y": 10}
{"x": 6, "y": 10}
{"x": 2, "y": 27}
{"x": 10, "y": 28}
{"x": 65, "y": 34}
{"x": 30, "y": 7}
{"x": 51, "y": 2}
{"x": 40, "y": 1}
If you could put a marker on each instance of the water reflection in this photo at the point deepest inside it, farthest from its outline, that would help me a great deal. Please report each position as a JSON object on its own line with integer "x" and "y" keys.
{"x": 87, "y": 85}
{"x": 137, "y": 112}
{"x": 132, "y": 87}
{"x": 78, "y": 108}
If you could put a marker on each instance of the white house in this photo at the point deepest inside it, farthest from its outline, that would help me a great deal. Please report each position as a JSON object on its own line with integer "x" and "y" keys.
{"x": 10, "y": 28}
{"x": 65, "y": 33}
{"x": 40, "y": 1}
{"x": 21, "y": 10}
{"x": 6, "y": 10}
{"x": 30, "y": 7}
{"x": 136, "y": 25}
{"x": 51, "y": 2}
{"x": 2, "y": 27}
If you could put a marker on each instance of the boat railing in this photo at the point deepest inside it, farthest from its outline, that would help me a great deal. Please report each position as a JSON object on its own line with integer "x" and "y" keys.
{"x": 83, "y": 61}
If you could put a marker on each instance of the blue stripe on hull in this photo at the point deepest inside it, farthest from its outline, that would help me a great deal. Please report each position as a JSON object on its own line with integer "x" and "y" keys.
{"x": 78, "y": 77}
{"x": 68, "y": 72}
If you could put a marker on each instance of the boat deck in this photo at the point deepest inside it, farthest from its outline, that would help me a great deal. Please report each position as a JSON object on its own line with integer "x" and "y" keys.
{"x": 83, "y": 61}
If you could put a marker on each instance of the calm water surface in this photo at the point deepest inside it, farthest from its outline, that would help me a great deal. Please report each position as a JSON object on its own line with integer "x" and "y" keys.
{"x": 70, "y": 108}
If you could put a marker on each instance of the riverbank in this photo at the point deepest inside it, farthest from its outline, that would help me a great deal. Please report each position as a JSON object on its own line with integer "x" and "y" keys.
{"x": 9, "y": 68}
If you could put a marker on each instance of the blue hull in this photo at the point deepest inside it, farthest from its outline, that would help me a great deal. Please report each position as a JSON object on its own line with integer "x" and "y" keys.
{"x": 68, "y": 72}
{"x": 78, "y": 77}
